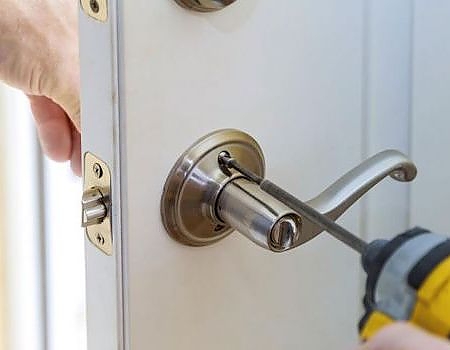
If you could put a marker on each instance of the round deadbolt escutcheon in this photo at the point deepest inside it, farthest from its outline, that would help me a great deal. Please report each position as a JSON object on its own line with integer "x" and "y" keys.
{"x": 205, "y": 5}
{"x": 191, "y": 190}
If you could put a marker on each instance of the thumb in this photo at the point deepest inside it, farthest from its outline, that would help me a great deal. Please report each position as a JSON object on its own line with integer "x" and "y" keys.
{"x": 402, "y": 336}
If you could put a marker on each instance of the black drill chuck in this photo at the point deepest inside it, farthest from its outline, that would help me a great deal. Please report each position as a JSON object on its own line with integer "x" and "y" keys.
{"x": 372, "y": 251}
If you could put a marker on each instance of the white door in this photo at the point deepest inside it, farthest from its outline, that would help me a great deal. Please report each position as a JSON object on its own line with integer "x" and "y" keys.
{"x": 320, "y": 87}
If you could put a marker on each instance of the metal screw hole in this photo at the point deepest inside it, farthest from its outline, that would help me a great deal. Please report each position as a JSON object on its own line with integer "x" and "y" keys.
{"x": 219, "y": 228}
{"x": 100, "y": 239}
{"x": 98, "y": 171}
{"x": 95, "y": 7}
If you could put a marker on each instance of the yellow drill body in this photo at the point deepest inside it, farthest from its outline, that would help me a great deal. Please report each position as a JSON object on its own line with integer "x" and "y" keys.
{"x": 423, "y": 282}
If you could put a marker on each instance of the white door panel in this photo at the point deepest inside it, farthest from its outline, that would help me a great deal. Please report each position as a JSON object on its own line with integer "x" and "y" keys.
{"x": 305, "y": 78}
{"x": 387, "y": 106}
{"x": 281, "y": 74}
{"x": 430, "y": 203}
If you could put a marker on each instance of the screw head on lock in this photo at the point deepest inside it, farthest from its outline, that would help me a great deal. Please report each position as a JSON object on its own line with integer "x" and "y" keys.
{"x": 95, "y": 7}
{"x": 100, "y": 239}
{"x": 98, "y": 171}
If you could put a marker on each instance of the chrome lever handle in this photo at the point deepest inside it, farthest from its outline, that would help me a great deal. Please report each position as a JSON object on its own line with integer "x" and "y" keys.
{"x": 205, "y": 199}
{"x": 343, "y": 193}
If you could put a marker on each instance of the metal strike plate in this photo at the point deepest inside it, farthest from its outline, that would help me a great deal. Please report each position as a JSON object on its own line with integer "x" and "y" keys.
{"x": 97, "y": 9}
{"x": 96, "y": 203}
{"x": 205, "y": 5}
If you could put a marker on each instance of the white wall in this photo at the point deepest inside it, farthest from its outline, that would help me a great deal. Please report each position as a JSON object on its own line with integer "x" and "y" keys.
{"x": 3, "y": 218}
{"x": 42, "y": 298}
{"x": 24, "y": 312}
{"x": 66, "y": 294}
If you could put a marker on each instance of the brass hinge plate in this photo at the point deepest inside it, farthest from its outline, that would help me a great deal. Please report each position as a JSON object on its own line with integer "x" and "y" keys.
{"x": 96, "y": 203}
{"x": 97, "y": 9}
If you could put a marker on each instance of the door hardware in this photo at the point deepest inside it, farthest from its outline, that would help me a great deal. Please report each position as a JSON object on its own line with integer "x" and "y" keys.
{"x": 97, "y": 9}
{"x": 94, "y": 207}
{"x": 218, "y": 186}
{"x": 205, "y": 5}
{"x": 96, "y": 203}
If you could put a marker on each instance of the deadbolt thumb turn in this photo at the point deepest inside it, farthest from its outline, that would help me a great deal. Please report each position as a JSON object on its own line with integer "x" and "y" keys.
{"x": 205, "y": 199}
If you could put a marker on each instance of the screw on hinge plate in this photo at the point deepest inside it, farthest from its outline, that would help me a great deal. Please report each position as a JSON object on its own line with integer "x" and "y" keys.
{"x": 96, "y": 203}
{"x": 97, "y": 9}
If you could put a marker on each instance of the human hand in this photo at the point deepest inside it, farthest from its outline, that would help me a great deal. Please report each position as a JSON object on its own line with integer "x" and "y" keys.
{"x": 402, "y": 336}
{"x": 39, "y": 55}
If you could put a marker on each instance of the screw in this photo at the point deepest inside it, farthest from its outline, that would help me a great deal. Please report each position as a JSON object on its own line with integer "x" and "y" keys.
{"x": 224, "y": 156}
{"x": 100, "y": 239}
{"x": 219, "y": 228}
{"x": 98, "y": 171}
{"x": 95, "y": 7}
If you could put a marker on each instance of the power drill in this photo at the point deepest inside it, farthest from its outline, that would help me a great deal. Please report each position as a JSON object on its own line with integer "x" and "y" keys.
{"x": 408, "y": 277}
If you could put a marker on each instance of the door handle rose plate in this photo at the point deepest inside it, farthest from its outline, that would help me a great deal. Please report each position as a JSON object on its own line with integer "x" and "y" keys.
{"x": 205, "y": 5}
{"x": 191, "y": 190}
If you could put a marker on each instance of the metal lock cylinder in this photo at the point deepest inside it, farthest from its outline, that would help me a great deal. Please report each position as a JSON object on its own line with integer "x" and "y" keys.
{"x": 258, "y": 216}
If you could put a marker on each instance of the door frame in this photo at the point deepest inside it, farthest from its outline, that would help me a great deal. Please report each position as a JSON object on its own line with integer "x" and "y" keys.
{"x": 101, "y": 127}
